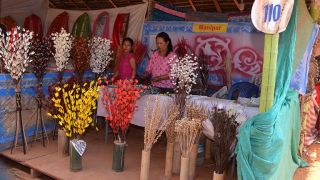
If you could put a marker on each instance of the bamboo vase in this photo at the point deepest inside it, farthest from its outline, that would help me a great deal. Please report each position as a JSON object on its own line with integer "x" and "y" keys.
{"x": 193, "y": 161}
{"x": 145, "y": 165}
{"x": 169, "y": 160}
{"x": 184, "y": 170}
{"x": 176, "y": 158}
{"x": 217, "y": 176}
{"x": 62, "y": 143}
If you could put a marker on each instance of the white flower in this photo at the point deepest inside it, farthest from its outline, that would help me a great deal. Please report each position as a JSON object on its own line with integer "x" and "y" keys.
{"x": 183, "y": 72}
{"x": 62, "y": 43}
{"x": 100, "y": 54}
{"x": 14, "y": 50}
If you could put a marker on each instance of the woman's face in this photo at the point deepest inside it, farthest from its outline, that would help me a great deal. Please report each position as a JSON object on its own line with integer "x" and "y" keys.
{"x": 162, "y": 45}
{"x": 127, "y": 47}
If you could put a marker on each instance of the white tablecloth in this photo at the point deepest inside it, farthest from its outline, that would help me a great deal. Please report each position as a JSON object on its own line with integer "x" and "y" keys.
{"x": 207, "y": 102}
{"x": 138, "y": 116}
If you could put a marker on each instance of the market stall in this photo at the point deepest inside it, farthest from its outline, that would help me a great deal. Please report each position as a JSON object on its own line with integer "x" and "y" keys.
{"x": 192, "y": 77}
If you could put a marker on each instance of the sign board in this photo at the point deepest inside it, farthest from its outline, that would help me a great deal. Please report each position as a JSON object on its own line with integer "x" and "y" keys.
{"x": 210, "y": 28}
{"x": 271, "y": 16}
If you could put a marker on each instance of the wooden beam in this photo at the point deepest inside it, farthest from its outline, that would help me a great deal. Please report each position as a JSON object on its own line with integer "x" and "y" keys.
{"x": 85, "y": 3}
{"x": 217, "y": 5}
{"x": 240, "y": 6}
{"x": 51, "y": 4}
{"x": 192, "y": 5}
{"x": 110, "y": 1}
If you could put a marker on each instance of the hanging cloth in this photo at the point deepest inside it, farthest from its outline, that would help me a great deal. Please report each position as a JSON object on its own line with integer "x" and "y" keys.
{"x": 268, "y": 143}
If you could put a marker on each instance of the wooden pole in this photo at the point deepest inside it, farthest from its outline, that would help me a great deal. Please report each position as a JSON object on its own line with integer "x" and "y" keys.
{"x": 169, "y": 160}
{"x": 145, "y": 165}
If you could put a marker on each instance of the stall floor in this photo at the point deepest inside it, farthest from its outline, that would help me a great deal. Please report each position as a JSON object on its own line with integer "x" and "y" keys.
{"x": 97, "y": 160}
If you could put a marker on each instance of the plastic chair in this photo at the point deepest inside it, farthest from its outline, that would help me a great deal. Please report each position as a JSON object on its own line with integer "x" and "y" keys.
{"x": 244, "y": 89}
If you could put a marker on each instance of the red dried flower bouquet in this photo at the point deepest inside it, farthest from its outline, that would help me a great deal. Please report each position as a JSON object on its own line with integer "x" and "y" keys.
{"x": 120, "y": 104}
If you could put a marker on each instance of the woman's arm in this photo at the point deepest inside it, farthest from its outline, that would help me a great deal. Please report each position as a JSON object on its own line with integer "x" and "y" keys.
{"x": 133, "y": 66}
{"x": 160, "y": 78}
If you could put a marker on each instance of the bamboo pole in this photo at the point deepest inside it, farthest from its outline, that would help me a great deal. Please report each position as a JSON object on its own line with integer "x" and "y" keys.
{"x": 314, "y": 10}
{"x": 269, "y": 71}
{"x": 193, "y": 161}
{"x": 169, "y": 160}
{"x": 62, "y": 143}
{"x": 145, "y": 165}
{"x": 184, "y": 170}
{"x": 217, "y": 176}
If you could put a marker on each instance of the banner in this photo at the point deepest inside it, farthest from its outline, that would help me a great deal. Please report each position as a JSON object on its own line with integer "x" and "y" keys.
{"x": 216, "y": 41}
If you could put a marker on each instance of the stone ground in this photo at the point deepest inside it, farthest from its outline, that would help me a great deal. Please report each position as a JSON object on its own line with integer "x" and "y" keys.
{"x": 10, "y": 170}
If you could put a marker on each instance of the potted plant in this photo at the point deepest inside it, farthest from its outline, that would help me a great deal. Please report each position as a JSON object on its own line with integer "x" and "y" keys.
{"x": 75, "y": 115}
{"x": 120, "y": 104}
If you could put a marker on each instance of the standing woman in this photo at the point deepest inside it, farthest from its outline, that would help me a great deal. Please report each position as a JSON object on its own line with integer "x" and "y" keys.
{"x": 158, "y": 66}
{"x": 126, "y": 65}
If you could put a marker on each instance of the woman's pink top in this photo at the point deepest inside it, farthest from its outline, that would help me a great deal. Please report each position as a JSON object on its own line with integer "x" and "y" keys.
{"x": 159, "y": 66}
{"x": 124, "y": 66}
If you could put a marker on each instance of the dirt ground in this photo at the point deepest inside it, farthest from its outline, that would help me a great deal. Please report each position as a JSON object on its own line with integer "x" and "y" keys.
{"x": 10, "y": 170}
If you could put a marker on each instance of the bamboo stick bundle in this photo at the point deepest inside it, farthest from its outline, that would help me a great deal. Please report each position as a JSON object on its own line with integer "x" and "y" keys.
{"x": 195, "y": 112}
{"x": 188, "y": 131}
{"x": 154, "y": 128}
{"x": 224, "y": 139}
{"x": 174, "y": 112}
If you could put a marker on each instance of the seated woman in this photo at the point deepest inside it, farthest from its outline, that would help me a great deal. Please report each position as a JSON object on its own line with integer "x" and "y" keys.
{"x": 158, "y": 67}
{"x": 126, "y": 63}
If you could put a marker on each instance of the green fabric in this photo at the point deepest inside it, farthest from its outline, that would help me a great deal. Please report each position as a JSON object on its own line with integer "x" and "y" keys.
{"x": 268, "y": 143}
{"x": 82, "y": 27}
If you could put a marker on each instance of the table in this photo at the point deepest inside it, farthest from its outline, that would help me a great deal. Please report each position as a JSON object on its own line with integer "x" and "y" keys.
{"x": 207, "y": 102}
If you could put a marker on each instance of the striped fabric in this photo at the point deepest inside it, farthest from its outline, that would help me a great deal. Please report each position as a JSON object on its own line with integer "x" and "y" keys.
{"x": 312, "y": 116}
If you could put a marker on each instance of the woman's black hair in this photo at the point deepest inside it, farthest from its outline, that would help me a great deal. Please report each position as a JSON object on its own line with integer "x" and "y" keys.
{"x": 166, "y": 39}
{"x": 127, "y": 39}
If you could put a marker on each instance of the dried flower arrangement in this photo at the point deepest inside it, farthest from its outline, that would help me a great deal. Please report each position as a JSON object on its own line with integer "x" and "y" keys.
{"x": 139, "y": 50}
{"x": 203, "y": 72}
{"x": 183, "y": 72}
{"x": 120, "y": 105}
{"x": 75, "y": 107}
{"x": 188, "y": 132}
{"x": 224, "y": 139}
{"x": 101, "y": 54}
{"x": 41, "y": 57}
{"x": 154, "y": 127}
{"x": 80, "y": 54}
{"x": 182, "y": 48}
{"x": 15, "y": 51}
{"x": 62, "y": 42}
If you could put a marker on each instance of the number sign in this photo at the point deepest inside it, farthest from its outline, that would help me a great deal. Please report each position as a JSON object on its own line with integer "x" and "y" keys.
{"x": 271, "y": 16}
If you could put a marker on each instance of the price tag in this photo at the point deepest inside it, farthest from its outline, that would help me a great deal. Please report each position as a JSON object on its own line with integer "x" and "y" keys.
{"x": 271, "y": 16}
